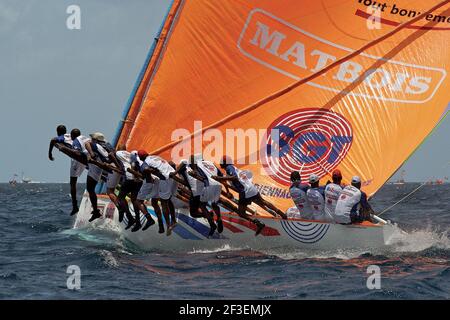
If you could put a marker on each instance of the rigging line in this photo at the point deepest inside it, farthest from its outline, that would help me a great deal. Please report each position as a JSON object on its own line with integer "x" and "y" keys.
{"x": 302, "y": 81}
{"x": 402, "y": 199}
{"x": 444, "y": 116}
{"x": 408, "y": 195}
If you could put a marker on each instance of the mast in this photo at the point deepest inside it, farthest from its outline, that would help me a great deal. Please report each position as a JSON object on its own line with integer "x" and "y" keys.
{"x": 133, "y": 105}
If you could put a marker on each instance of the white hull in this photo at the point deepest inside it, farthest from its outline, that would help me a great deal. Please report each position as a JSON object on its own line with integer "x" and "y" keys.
{"x": 191, "y": 234}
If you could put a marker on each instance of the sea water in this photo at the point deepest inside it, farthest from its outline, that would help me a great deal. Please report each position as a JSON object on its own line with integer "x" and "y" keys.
{"x": 38, "y": 244}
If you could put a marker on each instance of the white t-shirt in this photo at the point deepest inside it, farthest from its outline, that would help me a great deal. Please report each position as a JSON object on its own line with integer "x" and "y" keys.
{"x": 68, "y": 139}
{"x": 160, "y": 164}
{"x": 246, "y": 179}
{"x": 80, "y": 144}
{"x": 124, "y": 157}
{"x": 214, "y": 188}
{"x": 197, "y": 186}
{"x": 349, "y": 197}
{"x": 317, "y": 204}
{"x": 210, "y": 170}
{"x": 332, "y": 193}
{"x": 298, "y": 195}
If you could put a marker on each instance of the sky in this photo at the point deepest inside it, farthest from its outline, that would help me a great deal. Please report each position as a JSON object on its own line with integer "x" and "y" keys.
{"x": 83, "y": 78}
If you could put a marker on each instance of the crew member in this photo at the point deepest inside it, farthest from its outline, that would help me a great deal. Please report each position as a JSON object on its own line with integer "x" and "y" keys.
{"x": 352, "y": 204}
{"x": 156, "y": 166}
{"x": 316, "y": 199}
{"x": 213, "y": 188}
{"x": 76, "y": 168}
{"x": 248, "y": 193}
{"x": 193, "y": 178}
{"x": 298, "y": 194}
{"x": 332, "y": 192}
{"x": 99, "y": 150}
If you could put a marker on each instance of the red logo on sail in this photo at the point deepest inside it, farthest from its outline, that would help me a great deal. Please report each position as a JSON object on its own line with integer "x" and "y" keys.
{"x": 312, "y": 141}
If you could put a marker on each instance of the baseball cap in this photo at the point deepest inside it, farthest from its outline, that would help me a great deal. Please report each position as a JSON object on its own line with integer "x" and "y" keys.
{"x": 98, "y": 136}
{"x": 313, "y": 178}
{"x": 142, "y": 154}
{"x": 356, "y": 179}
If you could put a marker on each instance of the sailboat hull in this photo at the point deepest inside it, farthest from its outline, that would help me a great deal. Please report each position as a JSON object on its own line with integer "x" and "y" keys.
{"x": 192, "y": 234}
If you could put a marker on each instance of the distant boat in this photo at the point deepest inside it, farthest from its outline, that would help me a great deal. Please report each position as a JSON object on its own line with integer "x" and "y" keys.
{"x": 401, "y": 181}
{"x": 26, "y": 179}
{"x": 13, "y": 180}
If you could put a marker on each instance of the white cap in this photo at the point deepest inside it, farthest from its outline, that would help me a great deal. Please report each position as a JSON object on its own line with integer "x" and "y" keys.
{"x": 98, "y": 136}
{"x": 184, "y": 161}
{"x": 356, "y": 179}
{"x": 313, "y": 178}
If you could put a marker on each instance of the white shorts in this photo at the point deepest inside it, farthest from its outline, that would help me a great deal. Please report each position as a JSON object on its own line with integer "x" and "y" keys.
{"x": 76, "y": 169}
{"x": 113, "y": 180}
{"x": 95, "y": 172}
{"x": 148, "y": 191}
{"x": 167, "y": 188}
{"x": 211, "y": 193}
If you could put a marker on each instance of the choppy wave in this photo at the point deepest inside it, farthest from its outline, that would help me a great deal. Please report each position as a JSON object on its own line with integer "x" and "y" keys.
{"x": 38, "y": 244}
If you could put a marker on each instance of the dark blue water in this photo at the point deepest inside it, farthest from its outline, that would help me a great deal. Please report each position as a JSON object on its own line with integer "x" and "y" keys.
{"x": 37, "y": 244}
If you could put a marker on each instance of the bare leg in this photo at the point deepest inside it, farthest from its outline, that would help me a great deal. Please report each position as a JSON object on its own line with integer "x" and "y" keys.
{"x": 210, "y": 217}
{"x": 112, "y": 196}
{"x": 73, "y": 195}
{"x": 141, "y": 207}
{"x": 266, "y": 204}
{"x": 242, "y": 212}
{"x": 216, "y": 210}
{"x": 172, "y": 212}
{"x": 90, "y": 187}
{"x": 166, "y": 213}
{"x": 123, "y": 207}
{"x": 158, "y": 213}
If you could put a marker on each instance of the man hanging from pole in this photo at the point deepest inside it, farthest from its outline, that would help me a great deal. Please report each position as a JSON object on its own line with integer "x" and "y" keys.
{"x": 248, "y": 193}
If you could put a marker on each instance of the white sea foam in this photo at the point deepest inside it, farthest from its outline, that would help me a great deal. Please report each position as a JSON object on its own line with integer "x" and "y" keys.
{"x": 109, "y": 259}
{"x": 401, "y": 243}
{"x": 419, "y": 240}
{"x": 225, "y": 247}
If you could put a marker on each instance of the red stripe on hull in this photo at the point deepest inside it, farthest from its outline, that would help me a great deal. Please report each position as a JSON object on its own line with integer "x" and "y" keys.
{"x": 266, "y": 232}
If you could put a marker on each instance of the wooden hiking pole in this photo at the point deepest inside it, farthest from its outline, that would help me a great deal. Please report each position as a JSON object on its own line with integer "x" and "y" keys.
{"x": 249, "y": 210}
{"x": 273, "y": 213}
{"x": 78, "y": 156}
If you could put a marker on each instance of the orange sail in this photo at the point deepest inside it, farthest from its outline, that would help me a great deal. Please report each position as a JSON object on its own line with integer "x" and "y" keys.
{"x": 354, "y": 85}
